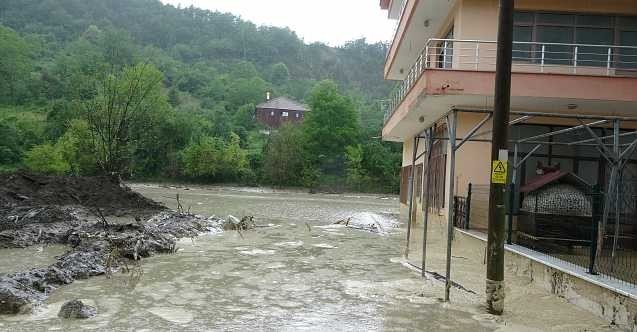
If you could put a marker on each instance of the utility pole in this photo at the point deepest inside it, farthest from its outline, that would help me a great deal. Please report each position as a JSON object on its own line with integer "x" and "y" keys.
{"x": 499, "y": 157}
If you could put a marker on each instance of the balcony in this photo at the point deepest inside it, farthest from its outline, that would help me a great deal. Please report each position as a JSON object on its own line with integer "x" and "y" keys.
{"x": 463, "y": 56}
{"x": 416, "y": 21}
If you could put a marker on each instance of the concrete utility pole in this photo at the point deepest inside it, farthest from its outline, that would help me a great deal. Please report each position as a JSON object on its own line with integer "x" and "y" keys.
{"x": 499, "y": 157}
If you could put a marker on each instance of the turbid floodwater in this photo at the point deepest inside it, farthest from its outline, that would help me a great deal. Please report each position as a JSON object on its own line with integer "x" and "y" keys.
{"x": 299, "y": 272}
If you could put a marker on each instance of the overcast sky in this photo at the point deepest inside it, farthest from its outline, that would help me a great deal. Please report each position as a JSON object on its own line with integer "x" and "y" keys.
{"x": 333, "y": 22}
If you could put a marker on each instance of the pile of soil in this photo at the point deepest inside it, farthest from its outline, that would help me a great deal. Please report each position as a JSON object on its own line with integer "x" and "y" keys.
{"x": 41, "y": 210}
{"x": 107, "y": 193}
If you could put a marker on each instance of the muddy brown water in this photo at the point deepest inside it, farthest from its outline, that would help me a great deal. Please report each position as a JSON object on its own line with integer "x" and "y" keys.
{"x": 294, "y": 275}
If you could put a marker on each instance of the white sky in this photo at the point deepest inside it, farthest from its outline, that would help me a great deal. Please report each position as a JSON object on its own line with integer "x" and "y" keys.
{"x": 333, "y": 22}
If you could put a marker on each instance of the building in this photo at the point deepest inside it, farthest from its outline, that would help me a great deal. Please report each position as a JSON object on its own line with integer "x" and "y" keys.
{"x": 573, "y": 103}
{"x": 274, "y": 112}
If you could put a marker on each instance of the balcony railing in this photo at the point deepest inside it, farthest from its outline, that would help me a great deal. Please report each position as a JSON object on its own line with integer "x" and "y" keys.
{"x": 530, "y": 57}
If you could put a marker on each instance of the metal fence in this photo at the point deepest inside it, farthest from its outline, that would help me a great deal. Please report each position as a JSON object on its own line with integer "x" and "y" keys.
{"x": 570, "y": 239}
{"x": 461, "y": 211}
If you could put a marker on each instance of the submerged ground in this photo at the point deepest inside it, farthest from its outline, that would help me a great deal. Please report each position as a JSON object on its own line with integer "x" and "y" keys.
{"x": 301, "y": 273}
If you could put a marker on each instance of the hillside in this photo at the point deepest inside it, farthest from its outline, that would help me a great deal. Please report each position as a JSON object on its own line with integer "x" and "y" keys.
{"x": 195, "y": 76}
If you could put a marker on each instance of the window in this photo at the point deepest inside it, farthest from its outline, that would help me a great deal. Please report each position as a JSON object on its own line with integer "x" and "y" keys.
{"x": 272, "y": 113}
{"x": 285, "y": 114}
{"x": 297, "y": 115}
{"x": 445, "y": 59}
{"x": 566, "y": 28}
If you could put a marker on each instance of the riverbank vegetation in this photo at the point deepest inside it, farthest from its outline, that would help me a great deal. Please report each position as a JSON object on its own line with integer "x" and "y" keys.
{"x": 151, "y": 91}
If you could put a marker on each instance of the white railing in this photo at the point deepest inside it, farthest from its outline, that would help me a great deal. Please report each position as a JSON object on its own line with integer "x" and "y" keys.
{"x": 531, "y": 57}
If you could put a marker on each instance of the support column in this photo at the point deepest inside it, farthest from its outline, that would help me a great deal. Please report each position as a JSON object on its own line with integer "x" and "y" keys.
{"x": 430, "y": 143}
{"x": 512, "y": 194}
{"x": 452, "y": 120}
{"x": 497, "y": 210}
{"x": 410, "y": 193}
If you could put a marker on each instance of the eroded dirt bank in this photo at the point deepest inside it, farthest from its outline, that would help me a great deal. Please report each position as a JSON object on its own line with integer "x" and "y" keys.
{"x": 75, "y": 211}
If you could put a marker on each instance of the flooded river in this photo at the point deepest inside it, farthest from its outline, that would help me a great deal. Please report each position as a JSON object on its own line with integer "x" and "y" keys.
{"x": 300, "y": 273}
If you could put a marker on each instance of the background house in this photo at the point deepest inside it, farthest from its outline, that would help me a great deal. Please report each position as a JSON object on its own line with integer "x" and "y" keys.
{"x": 274, "y": 112}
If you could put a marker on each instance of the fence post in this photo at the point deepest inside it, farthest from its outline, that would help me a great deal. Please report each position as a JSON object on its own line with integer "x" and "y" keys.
{"x": 467, "y": 216}
{"x": 597, "y": 202}
{"x": 510, "y": 218}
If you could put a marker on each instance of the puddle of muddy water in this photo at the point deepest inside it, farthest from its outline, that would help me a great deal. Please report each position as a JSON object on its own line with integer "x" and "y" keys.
{"x": 17, "y": 260}
{"x": 295, "y": 276}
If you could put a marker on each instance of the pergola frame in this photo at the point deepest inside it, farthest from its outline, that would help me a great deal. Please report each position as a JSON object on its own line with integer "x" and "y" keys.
{"x": 615, "y": 153}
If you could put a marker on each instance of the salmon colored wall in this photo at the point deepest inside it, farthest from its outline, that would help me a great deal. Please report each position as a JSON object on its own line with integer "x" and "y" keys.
{"x": 473, "y": 159}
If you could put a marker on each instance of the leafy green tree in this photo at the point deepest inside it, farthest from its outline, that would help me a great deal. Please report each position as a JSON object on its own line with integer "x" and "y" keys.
{"x": 356, "y": 174}
{"x": 77, "y": 149}
{"x": 203, "y": 159}
{"x": 10, "y": 146}
{"x": 284, "y": 156}
{"x": 279, "y": 73}
{"x": 246, "y": 91}
{"x": 15, "y": 65}
{"x": 332, "y": 123}
{"x": 244, "y": 117}
{"x": 46, "y": 159}
{"x": 124, "y": 102}
{"x": 235, "y": 159}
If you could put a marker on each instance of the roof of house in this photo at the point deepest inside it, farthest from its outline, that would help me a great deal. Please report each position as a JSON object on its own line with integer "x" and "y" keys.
{"x": 552, "y": 177}
{"x": 283, "y": 103}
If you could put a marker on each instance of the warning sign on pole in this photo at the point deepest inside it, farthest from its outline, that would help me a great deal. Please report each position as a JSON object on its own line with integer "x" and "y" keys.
{"x": 499, "y": 171}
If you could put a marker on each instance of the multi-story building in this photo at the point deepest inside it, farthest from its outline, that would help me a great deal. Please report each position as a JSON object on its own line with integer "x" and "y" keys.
{"x": 573, "y": 106}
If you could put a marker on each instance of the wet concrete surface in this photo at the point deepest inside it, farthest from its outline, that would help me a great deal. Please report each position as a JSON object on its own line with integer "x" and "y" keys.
{"x": 301, "y": 273}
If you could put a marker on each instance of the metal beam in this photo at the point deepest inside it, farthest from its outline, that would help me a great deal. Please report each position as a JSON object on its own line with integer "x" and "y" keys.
{"x": 527, "y": 156}
{"x": 562, "y": 131}
{"x": 474, "y": 129}
{"x": 430, "y": 144}
{"x": 604, "y": 138}
{"x": 609, "y": 155}
{"x": 411, "y": 194}
{"x": 557, "y": 115}
{"x": 452, "y": 120}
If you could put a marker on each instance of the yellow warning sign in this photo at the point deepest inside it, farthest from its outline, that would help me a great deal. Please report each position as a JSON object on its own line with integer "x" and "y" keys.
{"x": 499, "y": 171}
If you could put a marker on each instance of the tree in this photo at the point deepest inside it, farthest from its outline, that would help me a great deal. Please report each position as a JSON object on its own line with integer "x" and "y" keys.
{"x": 234, "y": 161}
{"x": 15, "y": 65}
{"x": 124, "y": 101}
{"x": 78, "y": 149}
{"x": 279, "y": 73}
{"x": 203, "y": 159}
{"x": 332, "y": 123}
{"x": 284, "y": 156}
{"x": 46, "y": 159}
{"x": 356, "y": 174}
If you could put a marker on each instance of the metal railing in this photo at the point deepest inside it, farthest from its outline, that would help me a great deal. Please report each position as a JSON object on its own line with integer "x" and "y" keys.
{"x": 533, "y": 57}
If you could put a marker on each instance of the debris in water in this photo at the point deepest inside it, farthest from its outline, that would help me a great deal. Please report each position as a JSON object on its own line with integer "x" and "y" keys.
{"x": 371, "y": 222}
{"x": 325, "y": 246}
{"x": 255, "y": 252}
{"x": 76, "y": 309}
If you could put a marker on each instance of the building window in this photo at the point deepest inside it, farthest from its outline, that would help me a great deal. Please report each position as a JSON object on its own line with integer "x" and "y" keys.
{"x": 285, "y": 114}
{"x": 272, "y": 113}
{"x": 583, "y": 29}
{"x": 445, "y": 57}
{"x": 297, "y": 115}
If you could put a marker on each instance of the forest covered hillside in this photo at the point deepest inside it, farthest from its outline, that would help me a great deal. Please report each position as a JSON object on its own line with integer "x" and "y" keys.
{"x": 150, "y": 91}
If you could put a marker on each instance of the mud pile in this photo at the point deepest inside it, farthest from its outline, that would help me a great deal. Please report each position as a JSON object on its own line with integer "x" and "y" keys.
{"x": 108, "y": 194}
{"x": 46, "y": 210}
